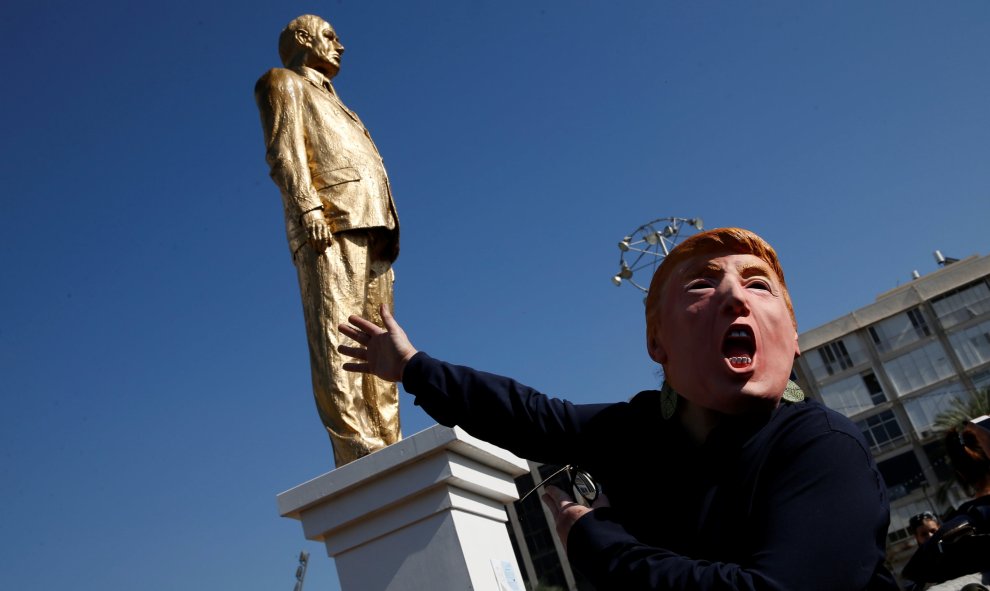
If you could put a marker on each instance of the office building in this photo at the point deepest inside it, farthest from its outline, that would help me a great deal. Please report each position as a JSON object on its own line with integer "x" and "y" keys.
{"x": 893, "y": 366}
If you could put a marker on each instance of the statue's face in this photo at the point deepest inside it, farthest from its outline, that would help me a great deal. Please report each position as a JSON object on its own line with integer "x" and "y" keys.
{"x": 325, "y": 49}
{"x": 725, "y": 335}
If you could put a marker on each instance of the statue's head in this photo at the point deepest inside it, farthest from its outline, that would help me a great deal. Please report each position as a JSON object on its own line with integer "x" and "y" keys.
{"x": 310, "y": 41}
{"x": 720, "y": 321}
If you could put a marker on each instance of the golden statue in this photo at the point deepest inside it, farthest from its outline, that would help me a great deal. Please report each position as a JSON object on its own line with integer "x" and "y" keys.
{"x": 341, "y": 224}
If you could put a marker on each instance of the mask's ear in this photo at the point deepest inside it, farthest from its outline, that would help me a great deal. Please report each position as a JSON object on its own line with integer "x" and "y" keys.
{"x": 797, "y": 346}
{"x": 656, "y": 350}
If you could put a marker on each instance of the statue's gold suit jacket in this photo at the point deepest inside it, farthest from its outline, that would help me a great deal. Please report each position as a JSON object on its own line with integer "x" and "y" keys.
{"x": 320, "y": 154}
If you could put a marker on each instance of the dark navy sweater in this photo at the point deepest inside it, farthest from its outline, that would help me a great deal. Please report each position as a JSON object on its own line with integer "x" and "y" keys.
{"x": 785, "y": 500}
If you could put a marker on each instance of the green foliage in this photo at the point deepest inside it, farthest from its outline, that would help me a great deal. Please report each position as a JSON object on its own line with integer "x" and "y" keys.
{"x": 962, "y": 410}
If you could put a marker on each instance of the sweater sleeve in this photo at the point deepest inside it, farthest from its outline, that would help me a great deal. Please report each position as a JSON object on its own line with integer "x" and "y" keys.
{"x": 499, "y": 410}
{"x": 818, "y": 525}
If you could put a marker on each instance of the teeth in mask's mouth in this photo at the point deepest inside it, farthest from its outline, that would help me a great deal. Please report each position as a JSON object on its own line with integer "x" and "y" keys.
{"x": 739, "y": 346}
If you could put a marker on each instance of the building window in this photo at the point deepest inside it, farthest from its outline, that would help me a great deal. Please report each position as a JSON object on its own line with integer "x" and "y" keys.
{"x": 897, "y": 331}
{"x": 536, "y": 531}
{"x": 919, "y": 368}
{"x": 854, "y": 394}
{"x": 918, "y": 322}
{"x": 839, "y": 355}
{"x": 882, "y": 431}
{"x": 835, "y": 356}
{"x": 894, "y": 536}
{"x": 902, "y": 474}
{"x": 962, "y": 304}
{"x": 923, "y": 410}
{"x": 972, "y": 345}
{"x": 873, "y": 387}
{"x": 981, "y": 379}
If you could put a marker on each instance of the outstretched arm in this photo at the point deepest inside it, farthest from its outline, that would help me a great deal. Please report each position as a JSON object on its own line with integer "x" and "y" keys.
{"x": 493, "y": 408}
{"x": 384, "y": 352}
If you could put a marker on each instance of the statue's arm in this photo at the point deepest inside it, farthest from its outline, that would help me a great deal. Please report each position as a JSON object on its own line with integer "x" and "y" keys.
{"x": 280, "y": 97}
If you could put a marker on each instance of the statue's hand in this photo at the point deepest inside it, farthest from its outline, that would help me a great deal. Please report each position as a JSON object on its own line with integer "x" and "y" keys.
{"x": 386, "y": 351}
{"x": 318, "y": 230}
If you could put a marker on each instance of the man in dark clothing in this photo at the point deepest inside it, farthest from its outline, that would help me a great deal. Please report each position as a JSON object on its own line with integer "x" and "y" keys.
{"x": 725, "y": 479}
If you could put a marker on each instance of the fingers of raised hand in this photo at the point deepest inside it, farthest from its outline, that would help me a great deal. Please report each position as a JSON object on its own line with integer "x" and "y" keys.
{"x": 388, "y": 320}
{"x": 355, "y": 352}
{"x": 364, "y": 325}
{"x": 353, "y": 333}
{"x": 357, "y": 367}
{"x": 360, "y": 330}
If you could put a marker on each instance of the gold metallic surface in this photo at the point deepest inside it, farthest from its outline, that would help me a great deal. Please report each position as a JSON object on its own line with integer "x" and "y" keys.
{"x": 341, "y": 225}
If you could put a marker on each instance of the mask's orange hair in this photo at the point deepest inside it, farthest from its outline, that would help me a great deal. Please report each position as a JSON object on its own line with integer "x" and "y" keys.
{"x": 735, "y": 240}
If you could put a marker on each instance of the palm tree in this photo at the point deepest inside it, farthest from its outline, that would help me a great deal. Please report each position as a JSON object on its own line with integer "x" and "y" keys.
{"x": 962, "y": 410}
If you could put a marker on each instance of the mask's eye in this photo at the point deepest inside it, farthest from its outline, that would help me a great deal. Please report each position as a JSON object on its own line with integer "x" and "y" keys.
{"x": 698, "y": 284}
{"x": 760, "y": 284}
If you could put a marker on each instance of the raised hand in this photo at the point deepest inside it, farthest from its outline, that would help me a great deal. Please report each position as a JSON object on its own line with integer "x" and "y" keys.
{"x": 385, "y": 351}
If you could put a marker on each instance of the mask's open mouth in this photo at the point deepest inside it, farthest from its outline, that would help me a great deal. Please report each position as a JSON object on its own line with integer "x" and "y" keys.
{"x": 739, "y": 346}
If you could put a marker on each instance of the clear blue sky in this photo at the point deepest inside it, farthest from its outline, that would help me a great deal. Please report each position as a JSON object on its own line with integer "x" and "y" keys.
{"x": 153, "y": 368}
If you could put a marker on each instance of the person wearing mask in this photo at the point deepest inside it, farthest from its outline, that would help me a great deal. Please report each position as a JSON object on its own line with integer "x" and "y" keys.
{"x": 727, "y": 478}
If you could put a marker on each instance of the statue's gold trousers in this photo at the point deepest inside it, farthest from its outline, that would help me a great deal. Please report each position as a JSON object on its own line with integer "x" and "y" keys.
{"x": 359, "y": 411}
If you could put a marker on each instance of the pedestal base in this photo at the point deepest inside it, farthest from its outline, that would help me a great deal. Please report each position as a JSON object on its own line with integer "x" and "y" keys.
{"x": 424, "y": 513}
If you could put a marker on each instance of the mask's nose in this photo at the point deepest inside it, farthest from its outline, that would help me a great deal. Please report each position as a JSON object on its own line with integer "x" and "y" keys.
{"x": 734, "y": 299}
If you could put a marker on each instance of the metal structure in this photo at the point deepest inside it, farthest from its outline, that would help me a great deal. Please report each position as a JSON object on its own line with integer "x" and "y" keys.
{"x": 301, "y": 570}
{"x": 648, "y": 244}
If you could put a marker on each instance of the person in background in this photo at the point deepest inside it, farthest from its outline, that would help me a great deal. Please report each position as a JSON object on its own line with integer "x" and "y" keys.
{"x": 923, "y": 526}
{"x": 727, "y": 478}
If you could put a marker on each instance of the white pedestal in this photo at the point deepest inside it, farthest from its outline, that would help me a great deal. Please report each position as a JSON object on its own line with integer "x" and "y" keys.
{"x": 424, "y": 513}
